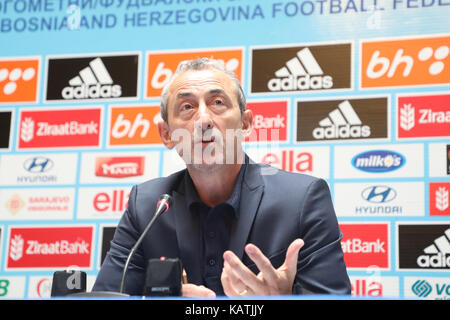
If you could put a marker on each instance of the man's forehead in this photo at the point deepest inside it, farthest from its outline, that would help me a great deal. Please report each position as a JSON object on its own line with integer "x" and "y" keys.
{"x": 206, "y": 79}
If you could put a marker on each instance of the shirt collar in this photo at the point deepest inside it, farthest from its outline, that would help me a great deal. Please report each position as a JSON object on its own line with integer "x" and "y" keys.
{"x": 193, "y": 199}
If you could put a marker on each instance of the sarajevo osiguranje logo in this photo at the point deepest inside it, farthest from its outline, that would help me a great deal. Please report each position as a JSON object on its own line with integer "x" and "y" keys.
{"x": 301, "y": 68}
{"x": 92, "y": 77}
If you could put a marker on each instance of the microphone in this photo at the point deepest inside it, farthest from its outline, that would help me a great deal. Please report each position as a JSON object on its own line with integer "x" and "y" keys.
{"x": 163, "y": 278}
{"x": 164, "y": 203}
{"x": 68, "y": 282}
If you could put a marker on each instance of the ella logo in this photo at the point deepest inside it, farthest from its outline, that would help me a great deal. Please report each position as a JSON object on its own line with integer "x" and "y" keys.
{"x": 408, "y": 62}
{"x": 424, "y": 116}
{"x": 136, "y": 125}
{"x": 162, "y": 65}
{"x": 378, "y": 161}
{"x": 119, "y": 167}
{"x": 19, "y": 80}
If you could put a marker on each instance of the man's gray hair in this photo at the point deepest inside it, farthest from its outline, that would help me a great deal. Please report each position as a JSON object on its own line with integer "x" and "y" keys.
{"x": 202, "y": 64}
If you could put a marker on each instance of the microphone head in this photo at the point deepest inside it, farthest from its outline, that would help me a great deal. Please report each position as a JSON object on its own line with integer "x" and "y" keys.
{"x": 68, "y": 282}
{"x": 166, "y": 198}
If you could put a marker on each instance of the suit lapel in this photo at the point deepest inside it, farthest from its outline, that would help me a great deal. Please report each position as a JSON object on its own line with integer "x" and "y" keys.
{"x": 188, "y": 237}
{"x": 251, "y": 194}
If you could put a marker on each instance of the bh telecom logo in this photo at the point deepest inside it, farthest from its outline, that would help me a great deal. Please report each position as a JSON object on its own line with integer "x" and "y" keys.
{"x": 378, "y": 161}
{"x": 19, "y": 80}
{"x": 405, "y": 62}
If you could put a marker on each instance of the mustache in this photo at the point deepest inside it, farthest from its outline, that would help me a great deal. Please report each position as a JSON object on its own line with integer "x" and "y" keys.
{"x": 208, "y": 135}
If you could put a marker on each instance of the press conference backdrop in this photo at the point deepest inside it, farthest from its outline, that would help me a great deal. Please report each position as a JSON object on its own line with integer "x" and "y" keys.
{"x": 355, "y": 92}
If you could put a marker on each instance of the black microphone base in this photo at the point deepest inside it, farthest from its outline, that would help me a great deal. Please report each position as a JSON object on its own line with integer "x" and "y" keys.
{"x": 99, "y": 294}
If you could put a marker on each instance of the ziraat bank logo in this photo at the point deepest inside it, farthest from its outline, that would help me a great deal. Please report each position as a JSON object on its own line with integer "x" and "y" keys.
{"x": 102, "y": 203}
{"x": 439, "y": 198}
{"x": 5, "y": 129}
{"x": 92, "y": 77}
{"x": 56, "y": 128}
{"x": 301, "y": 68}
{"x": 424, "y": 246}
{"x": 19, "y": 80}
{"x": 270, "y": 121}
{"x": 49, "y": 247}
{"x": 161, "y": 65}
{"x": 119, "y": 167}
{"x": 405, "y": 62}
{"x": 424, "y": 116}
{"x": 342, "y": 119}
{"x": 133, "y": 125}
{"x": 378, "y": 161}
{"x": 365, "y": 245}
{"x": 313, "y": 161}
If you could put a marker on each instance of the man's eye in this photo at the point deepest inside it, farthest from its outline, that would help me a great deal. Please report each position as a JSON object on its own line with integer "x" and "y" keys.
{"x": 218, "y": 101}
{"x": 186, "y": 107}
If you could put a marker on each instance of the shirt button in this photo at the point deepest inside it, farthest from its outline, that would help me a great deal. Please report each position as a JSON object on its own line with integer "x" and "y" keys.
{"x": 212, "y": 262}
{"x": 211, "y": 234}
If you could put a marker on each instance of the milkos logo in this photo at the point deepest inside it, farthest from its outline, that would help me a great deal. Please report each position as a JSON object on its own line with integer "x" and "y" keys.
{"x": 161, "y": 66}
{"x": 439, "y": 198}
{"x": 270, "y": 120}
{"x": 49, "y": 247}
{"x": 119, "y": 167}
{"x": 301, "y": 68}
{"x": 134, "y": 125}
{"x": 424, "y": 116}
{"x": 378, "y": 161}
{"x": 365, "y": 245}
{"x": 19, "y": 80}
{"x": 405, "y": 62}
{"x": 56, "y": 128}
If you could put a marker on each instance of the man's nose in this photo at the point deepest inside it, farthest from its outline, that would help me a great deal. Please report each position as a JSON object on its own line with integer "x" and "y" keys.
{"x": 204, "y": 117}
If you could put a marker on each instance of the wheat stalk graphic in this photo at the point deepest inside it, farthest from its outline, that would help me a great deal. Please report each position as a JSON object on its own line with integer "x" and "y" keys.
{"x": 27, "y": 130}
{"x": 16, "y": 248}
{"x": 442, "y": 198}
{"x": 407, "y": 117}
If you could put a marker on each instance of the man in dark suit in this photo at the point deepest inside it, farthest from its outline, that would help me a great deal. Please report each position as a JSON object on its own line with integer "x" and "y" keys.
{"x": 238, "y": 227}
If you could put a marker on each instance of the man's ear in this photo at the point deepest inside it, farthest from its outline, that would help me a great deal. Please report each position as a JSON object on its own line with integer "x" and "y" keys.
{"x": 164, "y": 133}
{"x": 247, "y": 122}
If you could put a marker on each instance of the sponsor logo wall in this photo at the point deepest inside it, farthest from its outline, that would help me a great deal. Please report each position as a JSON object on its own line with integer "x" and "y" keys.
{"x": 367, "y": 110}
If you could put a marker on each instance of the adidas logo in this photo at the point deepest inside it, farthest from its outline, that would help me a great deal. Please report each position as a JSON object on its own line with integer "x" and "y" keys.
{"x": 93, "y": 82}
{"x": 437, "y": 255}
{"x": 342, "y": 122}
{"x": 300, "y": 73}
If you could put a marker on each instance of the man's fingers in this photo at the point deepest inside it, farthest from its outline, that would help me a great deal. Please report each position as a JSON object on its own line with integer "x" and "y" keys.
{"x": 242, "y": 272}
{"x": 192, "y": 290}
{"x": 263, "y": 263}
{"x": 226, "y": 284}
{"x": 234, "y": 280}
{"x": 292, "y": 256}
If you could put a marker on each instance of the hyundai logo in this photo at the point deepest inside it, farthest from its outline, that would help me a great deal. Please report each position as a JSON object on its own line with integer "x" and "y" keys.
{"x": 378, "y": 194}
{"x": 38, "y": 164}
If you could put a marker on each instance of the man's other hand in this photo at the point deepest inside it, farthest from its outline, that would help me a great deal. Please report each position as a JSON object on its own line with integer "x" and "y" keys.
{"x": 238, "y": 280}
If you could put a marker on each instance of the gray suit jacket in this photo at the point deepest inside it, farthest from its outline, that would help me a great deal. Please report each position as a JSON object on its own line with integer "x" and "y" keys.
{"x": 275, "y": 209}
